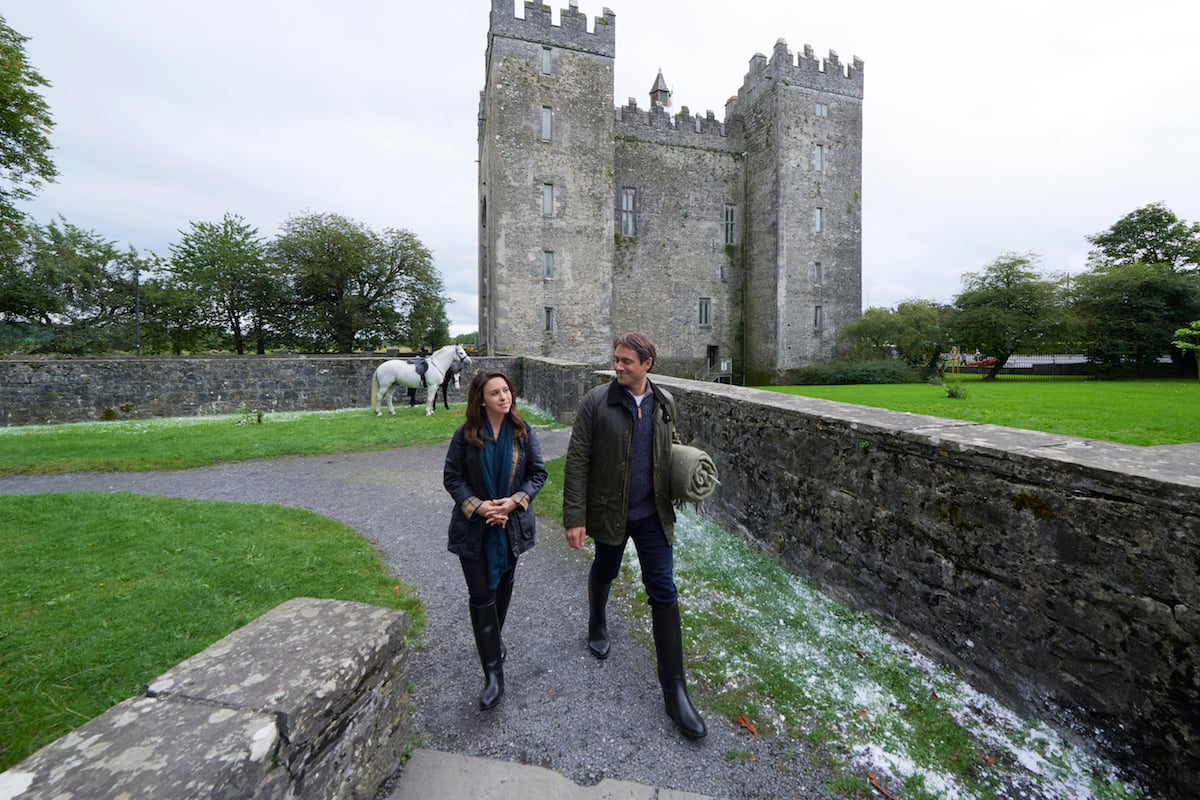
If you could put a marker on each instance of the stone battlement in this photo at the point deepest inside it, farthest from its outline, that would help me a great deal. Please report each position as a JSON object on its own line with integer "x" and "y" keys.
{"x": 805, "y": 70}
{"x": 628, "y": 118}
{"x": 537, "y": 26}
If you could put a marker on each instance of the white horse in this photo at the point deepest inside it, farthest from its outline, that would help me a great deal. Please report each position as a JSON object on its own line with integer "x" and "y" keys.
{"x": 452, "y": 376}
{"x": 395, "y": 373}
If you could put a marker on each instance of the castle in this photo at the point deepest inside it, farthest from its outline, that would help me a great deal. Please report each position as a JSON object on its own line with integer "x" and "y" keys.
{"x": 734, "y": 244}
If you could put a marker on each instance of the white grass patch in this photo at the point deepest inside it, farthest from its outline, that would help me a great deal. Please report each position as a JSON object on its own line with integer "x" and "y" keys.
{"x": 824, "y": 663}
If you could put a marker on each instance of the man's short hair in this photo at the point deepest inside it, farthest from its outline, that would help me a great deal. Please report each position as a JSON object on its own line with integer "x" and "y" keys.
{"x": 637, "y": 342}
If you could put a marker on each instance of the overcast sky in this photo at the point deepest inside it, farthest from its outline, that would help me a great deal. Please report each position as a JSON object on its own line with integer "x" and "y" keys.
{"x": 989, "y": 127}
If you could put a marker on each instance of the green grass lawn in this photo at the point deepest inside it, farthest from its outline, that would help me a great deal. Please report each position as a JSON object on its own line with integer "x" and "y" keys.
{"x": 104, "y": 592}
{"x": 179, "y": 443}
{"x": 1132, "y": 412}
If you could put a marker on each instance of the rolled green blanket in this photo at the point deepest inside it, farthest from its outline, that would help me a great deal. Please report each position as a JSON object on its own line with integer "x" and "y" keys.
{"x": 693, "y": 474}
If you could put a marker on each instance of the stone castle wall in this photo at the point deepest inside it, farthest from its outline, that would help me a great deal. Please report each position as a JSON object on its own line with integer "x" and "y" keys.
{"x": 769, "y": 310}
{"x": 516, "y": 167}
{"x": 678, "y": 254}
{"x": 49, "y": 390}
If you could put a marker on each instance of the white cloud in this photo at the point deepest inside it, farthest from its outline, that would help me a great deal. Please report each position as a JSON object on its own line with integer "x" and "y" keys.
{"x": 988, "y": 127}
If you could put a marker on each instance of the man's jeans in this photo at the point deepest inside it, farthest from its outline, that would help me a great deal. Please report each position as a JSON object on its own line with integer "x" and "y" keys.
{"x": 655, "y": 555}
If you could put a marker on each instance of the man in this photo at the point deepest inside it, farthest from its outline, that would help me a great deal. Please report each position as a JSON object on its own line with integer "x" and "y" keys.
{"x": 617, "y": 488}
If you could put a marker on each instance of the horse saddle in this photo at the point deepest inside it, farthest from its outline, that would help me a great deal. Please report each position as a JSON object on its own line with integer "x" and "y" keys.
{"x": 421, "y": 365}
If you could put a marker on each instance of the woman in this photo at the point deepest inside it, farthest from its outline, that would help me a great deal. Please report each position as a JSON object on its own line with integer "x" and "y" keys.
{"x": 495, "y": 456}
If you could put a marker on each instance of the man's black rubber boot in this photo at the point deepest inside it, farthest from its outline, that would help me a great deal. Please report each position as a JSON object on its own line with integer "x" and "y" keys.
{"x": 597, "y": 622}
{"x": 668, "y": 643}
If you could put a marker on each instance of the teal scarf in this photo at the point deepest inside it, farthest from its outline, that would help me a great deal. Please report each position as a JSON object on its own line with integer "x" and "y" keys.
{"x": 496, "y": 462}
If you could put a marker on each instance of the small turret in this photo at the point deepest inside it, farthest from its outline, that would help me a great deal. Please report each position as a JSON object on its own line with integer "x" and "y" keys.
{"x": 660, "y": 95}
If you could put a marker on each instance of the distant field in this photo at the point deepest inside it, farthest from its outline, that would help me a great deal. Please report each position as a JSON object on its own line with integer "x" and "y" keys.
{"x": 1131, "y": 412}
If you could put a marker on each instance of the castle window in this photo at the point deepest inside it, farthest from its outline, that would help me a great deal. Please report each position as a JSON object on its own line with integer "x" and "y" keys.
{"x": 628, "y": 228}
{"x": 549, "y": 319}
{"x": 547, "y": 263}
{"x": 547, "y": 199}
{"x": 730, "y": 215}
{"x": 818, "y": 317}
{"x": 818, "y": 273}
{"x": 818, "y": 219}
{"x": 547, "y": 117}
{"x": 819, "y": 158}
{"x": 545, "y": 60}
{"x": 822, "y": 110}
{"x": 705, "y": 317}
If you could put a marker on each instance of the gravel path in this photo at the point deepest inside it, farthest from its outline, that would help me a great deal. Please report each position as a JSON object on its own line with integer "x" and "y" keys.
{"x": 562, "y": 709}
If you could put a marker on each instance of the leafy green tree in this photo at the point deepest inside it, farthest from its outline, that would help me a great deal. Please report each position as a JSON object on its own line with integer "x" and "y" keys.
{"x": 173, "y": 319}
{"x": 353, "y": 286}
{"x": 466, "y": 339}
{"x": 25, "y": 125}
{"x": 1128, "y": 314}
{"x": 224, "y": 266}
{"x": 431, "y": 326}
{"x": 1007, "y": 308}
{"x": 872, "y": 335}
{"x": 1189, "y": 340}
{"x": 73, "y": 290}
{"x": 916, "y": 332}
{"x": 1150, "y": 235}
{"x": 923, "y": 333}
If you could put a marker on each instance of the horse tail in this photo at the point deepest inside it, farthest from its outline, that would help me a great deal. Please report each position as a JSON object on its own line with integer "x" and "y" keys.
{"x": 375, "y": 391}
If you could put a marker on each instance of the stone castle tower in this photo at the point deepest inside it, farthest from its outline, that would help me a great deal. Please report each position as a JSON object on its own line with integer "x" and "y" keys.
{"x": 736, "y": 240}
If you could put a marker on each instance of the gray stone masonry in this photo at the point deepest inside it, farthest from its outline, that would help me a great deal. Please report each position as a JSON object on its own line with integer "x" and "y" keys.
{"x": 308, "y": 701}
{"x": 42, "y": 390}
{"x": 1060, "y": 574}
{"x": 724, "y": 239}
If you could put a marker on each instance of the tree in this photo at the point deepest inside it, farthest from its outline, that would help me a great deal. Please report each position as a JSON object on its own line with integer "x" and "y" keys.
{"x": 916, "y": 332}
{"x": 225, "y": 265}
{"x": 1007, "y": 308}
{"x": 1150, "y": 235}
{"x": 421, "y": 306}
{"x": 872, "y": 335}
{"x": 1128, "y": 314}
{"x": 923, "y": 333}
{"x": 73, "y": 290}
{"x": 353, "y": 286}
{"x": 25, "y": 125}
{"x": 1189, "y": 340}
{"x": 429, "y": 327}
{"x": 171, "y": 318}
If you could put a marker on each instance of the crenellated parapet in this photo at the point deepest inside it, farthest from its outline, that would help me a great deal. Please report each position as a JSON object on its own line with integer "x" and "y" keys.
{"x": 572, "y": 31}
{"x": 685, "y": 123}
{"x": 805, "y": 70}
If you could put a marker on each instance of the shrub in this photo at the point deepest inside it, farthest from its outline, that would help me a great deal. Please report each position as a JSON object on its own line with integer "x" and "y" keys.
{"x": 851, "y": 372}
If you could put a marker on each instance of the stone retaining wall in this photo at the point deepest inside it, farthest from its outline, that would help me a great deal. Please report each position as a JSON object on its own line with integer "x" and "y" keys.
{"x": 308, "y": 701}
{"x": 1060, "y": 574}
{"x": 50, "y": 390}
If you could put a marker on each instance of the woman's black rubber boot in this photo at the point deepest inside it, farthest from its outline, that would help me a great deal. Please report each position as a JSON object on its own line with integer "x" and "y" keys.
{"x": 503, "y": 598}
{"x": 487, "y": 642}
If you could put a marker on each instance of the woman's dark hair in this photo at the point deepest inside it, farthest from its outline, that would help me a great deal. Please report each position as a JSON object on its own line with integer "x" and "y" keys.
{"x": 473, "y": 427}
{"x": 637, "y": 342}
